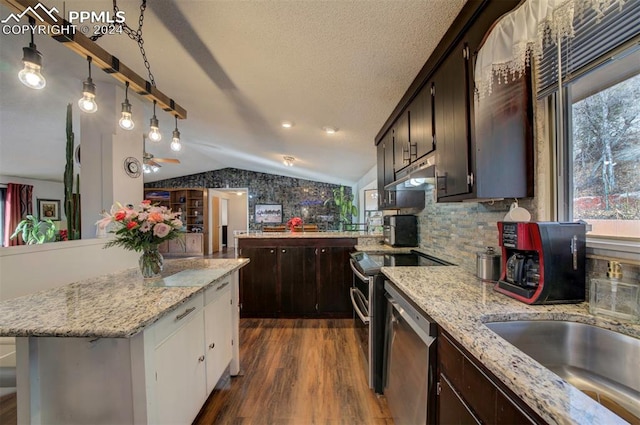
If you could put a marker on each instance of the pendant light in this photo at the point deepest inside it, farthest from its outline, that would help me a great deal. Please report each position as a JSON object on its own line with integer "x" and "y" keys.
{"x": 30, "y": 75}
{"x": 88, "y": 101}
{"x": 175, "y": 142}
{"x": 126, "y": 122}
{"x": 154, "y": 132}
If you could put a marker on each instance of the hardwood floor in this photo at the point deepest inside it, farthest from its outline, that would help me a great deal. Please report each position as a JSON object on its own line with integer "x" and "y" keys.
{"x": 296, "y": 372}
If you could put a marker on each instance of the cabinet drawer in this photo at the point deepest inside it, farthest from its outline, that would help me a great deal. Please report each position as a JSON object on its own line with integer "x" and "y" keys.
{"x": 213, "y": 293}
{"x": 173, "y": 321}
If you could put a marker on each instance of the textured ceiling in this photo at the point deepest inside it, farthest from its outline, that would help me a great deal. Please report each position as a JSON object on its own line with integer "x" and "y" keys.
{"x": 240, "y": 68}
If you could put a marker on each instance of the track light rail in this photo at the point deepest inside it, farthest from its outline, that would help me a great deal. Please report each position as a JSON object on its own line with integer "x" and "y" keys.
{"x": 110, "y": 64}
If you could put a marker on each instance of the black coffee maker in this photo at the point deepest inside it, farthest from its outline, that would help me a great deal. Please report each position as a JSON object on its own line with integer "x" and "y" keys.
{"x": 543, "y": 262}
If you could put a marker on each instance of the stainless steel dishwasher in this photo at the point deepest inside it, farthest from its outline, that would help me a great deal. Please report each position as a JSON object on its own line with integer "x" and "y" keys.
{"x": 409, "y": 361}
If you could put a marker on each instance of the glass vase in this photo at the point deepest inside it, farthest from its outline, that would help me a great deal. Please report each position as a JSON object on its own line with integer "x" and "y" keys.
{"x": 151, "y": 262}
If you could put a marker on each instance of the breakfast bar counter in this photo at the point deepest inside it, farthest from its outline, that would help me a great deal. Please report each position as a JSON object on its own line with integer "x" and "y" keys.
{"x": 121, "y": 349}
{"x": 117, "y": 305}
{"x": 461, "y": 304}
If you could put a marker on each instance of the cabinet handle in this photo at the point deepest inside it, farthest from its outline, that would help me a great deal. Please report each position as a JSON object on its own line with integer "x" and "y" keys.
{"x": 185, "y": 314}
{"x": 222, "y": 286}
{"x": 213, "y": 344}
{"x": 201, "y": 359}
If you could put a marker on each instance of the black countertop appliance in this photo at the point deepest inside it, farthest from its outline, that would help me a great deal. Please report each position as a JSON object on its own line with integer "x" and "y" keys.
{"x": 401, "y": 230}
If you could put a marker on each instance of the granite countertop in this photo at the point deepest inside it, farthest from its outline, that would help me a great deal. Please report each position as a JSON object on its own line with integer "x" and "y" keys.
{"x": 383, "y": 249}
{"x": 461, "y": 304}
{"x": 262, "y": 235}
{"x": 117, "y": 305}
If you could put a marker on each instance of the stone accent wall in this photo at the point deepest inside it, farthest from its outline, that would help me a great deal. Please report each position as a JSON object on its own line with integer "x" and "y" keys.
{"x": 456, "y": 231}
{"x": 299, "y": 198}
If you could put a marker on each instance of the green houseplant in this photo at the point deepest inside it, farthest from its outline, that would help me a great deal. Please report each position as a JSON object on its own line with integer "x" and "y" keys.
{"x": 34, "y": 231}
{"x": 346, "y": 208}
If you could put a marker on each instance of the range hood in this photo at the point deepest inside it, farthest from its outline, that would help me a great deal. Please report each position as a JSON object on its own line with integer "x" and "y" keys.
{"x": 416, "y": 175}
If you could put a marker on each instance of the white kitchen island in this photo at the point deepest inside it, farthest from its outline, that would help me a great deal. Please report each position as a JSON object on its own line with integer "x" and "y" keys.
{"x": 122, "y": 350}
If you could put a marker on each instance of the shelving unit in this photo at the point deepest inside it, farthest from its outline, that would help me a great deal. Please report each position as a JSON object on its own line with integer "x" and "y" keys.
{"x": 193, "y": 204}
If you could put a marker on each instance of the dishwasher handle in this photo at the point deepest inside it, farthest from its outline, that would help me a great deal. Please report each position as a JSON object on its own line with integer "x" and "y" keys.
{"x": 412, "y": 322}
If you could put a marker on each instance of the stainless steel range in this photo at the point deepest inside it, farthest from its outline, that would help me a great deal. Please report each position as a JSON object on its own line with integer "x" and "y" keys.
{"x": 370, "y": 304}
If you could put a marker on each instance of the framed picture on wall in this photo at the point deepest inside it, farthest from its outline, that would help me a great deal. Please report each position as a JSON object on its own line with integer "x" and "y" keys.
{"x": 268, "y": 213}
{"x": 49, "y": 209}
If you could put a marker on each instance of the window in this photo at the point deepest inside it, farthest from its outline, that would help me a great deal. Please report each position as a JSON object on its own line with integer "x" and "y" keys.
{"x": 604, "y": 147}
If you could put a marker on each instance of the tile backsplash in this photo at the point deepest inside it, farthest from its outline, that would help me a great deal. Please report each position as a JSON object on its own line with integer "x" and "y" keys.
{"x": 457, "y": 231}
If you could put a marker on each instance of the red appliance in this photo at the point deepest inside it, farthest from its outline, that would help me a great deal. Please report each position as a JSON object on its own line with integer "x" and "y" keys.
{"x": 543, "y": 262}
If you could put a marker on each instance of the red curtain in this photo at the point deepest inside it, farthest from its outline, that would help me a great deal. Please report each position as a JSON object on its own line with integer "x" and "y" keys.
{"x": 18, "y": 203}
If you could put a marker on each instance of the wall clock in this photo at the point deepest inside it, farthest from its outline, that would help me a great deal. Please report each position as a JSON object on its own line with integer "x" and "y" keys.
{"x": 132, "y": 167}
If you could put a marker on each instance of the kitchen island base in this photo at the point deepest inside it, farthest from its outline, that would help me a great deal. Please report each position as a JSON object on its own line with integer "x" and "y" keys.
{"x": 163, "y": 374}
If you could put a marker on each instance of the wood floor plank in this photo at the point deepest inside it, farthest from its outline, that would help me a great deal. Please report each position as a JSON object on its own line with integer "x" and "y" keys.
{"x": 296, "y": 372}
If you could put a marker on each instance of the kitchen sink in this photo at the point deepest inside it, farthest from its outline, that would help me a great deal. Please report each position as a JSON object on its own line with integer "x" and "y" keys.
{"x": 601, "y": 363}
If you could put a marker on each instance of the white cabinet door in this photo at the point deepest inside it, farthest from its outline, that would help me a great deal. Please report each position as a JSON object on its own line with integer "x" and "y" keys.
{"x": 180, "y": 373}
{"x": 218, "y": 335}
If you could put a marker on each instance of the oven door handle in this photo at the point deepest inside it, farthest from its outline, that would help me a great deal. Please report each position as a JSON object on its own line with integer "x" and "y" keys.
{"x": 357, "y": 272}
{"x": 355, "y": 292}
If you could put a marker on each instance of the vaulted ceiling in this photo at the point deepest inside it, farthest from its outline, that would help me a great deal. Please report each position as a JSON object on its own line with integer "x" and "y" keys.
{"x": 240, "y": 68}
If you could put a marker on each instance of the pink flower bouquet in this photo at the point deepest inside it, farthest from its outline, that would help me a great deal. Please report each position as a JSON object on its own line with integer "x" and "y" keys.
{"x": 142, "y": 228}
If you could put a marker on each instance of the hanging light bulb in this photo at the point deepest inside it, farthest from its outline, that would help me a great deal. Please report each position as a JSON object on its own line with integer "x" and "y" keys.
{"x": 154, "y": 131}
{"x": 30, "y": 75}
{"x": 146, "y": 169}
{"x": 88, "y": 101}
{"x": 288, "y": 161}
{"x": 155, "y": 168}
{"x": 175, "y": 142}
{"x": 126, "y": 123}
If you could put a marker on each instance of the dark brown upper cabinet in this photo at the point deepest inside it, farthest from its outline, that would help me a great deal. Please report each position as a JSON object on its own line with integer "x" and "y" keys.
{"x": 452, "y": 114}
{"x": 421, "y": 124}
{"x": 479, "y": 155}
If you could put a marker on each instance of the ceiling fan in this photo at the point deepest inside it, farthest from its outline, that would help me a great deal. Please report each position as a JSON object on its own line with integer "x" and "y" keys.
{"x": 150, "y": 162}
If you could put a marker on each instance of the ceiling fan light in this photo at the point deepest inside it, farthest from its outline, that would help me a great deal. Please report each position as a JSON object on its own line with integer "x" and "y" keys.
{"x": 155, "y": 168}
{"x": 30, "y": 75}
{"x": 288, "y": 161}
{"x": 146, "y": 169}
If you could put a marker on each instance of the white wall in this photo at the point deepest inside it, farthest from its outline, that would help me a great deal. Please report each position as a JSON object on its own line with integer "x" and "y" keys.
{"x": 28, "y": 269}
{"x": 237, "y": 211}
{"x": 104, "y": 147}
{"x": 366, "y": 182}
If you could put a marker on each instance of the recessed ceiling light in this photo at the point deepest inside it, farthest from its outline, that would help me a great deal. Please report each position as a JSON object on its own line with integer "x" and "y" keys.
{"x": 287, "y": 124}
{"x": 329, "y": 130}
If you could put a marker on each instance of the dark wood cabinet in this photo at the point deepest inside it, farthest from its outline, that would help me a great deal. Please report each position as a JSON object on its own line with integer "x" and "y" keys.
{"x": 451, "y": 111}
{"x": 259, "y": 288}
{"x": 421, "y": 124}
{"x": 297, "y": 273}
{"x": 451, "y": 408}
{"x": 493, "y": 159}
{"x": 298, "y": 277}
{"x": 334, "y": 280}
{"x": 470, "y": 394}
{"x": 401, "y": 143}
